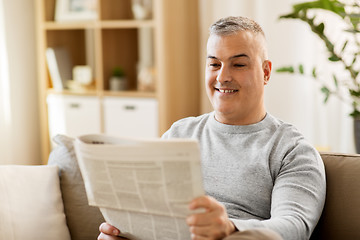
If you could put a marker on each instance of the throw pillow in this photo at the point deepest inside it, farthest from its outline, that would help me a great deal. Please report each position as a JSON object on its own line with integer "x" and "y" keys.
{"x": 83, "y": 220}
{"x": 30, "y": 204}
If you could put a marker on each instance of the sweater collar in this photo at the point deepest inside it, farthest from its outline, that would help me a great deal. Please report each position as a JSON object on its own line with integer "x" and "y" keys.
{"x": 235, "y": 129}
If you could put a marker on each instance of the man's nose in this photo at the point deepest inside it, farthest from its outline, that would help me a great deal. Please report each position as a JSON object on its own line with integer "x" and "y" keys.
{"x": 224, "y": 75}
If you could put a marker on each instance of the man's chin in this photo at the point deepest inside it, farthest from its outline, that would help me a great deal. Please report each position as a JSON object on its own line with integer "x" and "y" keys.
{"x": 224, "y": 115}
{"x": 225, "y": 110}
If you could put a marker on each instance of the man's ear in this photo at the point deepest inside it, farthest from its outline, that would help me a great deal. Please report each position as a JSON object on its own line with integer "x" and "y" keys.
{"x": 267, "y": 65}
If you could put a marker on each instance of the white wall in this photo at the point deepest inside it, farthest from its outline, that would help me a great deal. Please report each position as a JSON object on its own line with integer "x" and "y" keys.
{"x": 291, "y": 98}
{"x": 20, "y": 140}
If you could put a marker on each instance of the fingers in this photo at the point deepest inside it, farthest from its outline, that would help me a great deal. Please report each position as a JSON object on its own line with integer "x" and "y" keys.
{"x": 206, "y": 202}
{"x": 213, "y": 230}
{"x": 211, "y": 224}
{"x": 216, "y": 217}
{"x": 215, "y": 213}
{"x": 108, "y": 229}
{"x": 103, "y": 236}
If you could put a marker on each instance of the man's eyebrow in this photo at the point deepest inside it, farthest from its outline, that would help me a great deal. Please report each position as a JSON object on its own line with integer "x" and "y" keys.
{"x": 235, "y": 56}
{"x": 239, "y": 56}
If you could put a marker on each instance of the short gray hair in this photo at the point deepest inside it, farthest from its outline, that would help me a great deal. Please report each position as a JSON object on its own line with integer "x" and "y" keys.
{"x": 232, "y": 25}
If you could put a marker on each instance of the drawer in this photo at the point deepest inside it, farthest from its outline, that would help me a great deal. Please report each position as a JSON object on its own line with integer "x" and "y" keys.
{"x": 73, "y": 115}
{"x": 131, "y": 117}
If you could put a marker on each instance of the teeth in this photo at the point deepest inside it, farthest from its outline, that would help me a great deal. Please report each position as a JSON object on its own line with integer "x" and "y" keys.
{"x": 226, "y": 91}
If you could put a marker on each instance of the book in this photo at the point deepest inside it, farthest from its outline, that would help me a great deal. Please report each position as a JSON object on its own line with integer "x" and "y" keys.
{"x": 60, "y": 66}
{"x": 142, "y": 187}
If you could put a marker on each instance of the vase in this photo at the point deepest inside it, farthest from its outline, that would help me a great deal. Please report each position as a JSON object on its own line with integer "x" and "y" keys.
{"x": 118, "y": 84}
{"x": 357, "y": 134}
{"x": 141, "y": 9}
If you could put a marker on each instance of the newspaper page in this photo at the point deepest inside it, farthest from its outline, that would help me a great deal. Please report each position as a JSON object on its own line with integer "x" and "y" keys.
{"x": 142, "y": 187}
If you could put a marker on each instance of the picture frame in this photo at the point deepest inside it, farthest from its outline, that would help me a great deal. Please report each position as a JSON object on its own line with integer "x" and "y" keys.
{"x": 75, "y": 10}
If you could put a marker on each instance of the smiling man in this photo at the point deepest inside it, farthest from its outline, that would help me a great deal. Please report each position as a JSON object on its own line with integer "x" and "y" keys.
{"x": 262, "y": 179}
{"x": 236, "y": 72}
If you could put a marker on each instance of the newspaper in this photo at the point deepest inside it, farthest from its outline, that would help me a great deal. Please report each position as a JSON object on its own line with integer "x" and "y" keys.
{"x": 142, "y": 187}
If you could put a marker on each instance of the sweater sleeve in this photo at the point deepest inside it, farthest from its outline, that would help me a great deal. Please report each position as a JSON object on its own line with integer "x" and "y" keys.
{"x": 298, "y": 195}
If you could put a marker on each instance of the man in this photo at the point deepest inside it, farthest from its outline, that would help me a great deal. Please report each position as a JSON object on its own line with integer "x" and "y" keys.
{"x": 260, "y": 175}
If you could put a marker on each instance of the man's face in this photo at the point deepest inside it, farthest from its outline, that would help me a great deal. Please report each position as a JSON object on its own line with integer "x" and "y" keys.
{"x": 235, "y": 75}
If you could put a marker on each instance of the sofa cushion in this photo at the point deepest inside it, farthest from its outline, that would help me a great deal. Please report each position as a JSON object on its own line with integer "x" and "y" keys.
{"x": 83, "y": 220}
{"x": 341, "y": 215}
{"x": 30, "y": 204}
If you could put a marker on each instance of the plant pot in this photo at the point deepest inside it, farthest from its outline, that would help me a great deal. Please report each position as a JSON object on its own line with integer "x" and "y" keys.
{"x": 118, "y": 83}
{"x": 357, "y": 134}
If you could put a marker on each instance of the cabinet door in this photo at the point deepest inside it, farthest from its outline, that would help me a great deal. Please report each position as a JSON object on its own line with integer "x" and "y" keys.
{"x": 73, "y": 115}
{"x": 131, "y": 117}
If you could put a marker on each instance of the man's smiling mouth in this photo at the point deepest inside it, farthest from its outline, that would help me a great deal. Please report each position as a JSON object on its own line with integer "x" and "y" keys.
{"x": 226, "y": 90}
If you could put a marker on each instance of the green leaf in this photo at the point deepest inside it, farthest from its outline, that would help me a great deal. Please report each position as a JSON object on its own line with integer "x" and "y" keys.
{"x": 301, "y": 69}
{"x": 327, "y": 93}
{"x": 355, "y": 113}
{"x": 325, "y": 4}
{"x": 354, "y": 60}
{"x": 289, "y": 69}
{"x": 344, "y": 46}
{"x": 329, "y": 46}
{"x": 291, "y": 15}
{"x": 329, "y": 5}
{"x": 354, "y": 18}
{"x": 118, "y": 71}
{"x": 335, "y": 81}
{"x": 314, "y": 72}
{"x": 352, "y": 30}
{"x": 354, "y": 93}
{"x": 353, "y": 15}
{"x": 334, "y": 58}
{"x": 307, "y": 5}
{"x": 320, "y": 28}
{"x": 334, "y": 6}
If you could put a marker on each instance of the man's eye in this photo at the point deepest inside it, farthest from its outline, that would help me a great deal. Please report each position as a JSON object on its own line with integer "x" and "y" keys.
{"x": 214, "y": 65}
{"x": 239, "y": 65}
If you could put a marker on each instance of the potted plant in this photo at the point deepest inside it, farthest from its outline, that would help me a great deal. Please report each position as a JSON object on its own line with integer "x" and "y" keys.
{"x": 345, "y": 88}
{"x": 118, "y": 81}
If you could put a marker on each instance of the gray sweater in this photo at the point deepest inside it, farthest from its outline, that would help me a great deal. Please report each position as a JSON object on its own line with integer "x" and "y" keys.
{"x": 266, "y": 174}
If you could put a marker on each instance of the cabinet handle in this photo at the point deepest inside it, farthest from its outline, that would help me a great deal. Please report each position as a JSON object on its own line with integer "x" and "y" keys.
{"x": 130, "y": 107}
{"x": 74, "y": 105}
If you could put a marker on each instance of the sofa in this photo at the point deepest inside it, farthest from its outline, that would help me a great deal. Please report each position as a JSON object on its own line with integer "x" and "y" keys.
{"x": 341, "y": 215}
{"x": 49, "y": 201}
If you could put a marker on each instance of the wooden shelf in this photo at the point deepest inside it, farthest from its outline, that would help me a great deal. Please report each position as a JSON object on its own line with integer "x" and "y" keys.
{"x": 69, "y": 25}
{"x": 109, "y": 24}
{"x": 167, "y": 43}
{"x": 114, "y": 24}
{"x": 73, "y": 92}
{"x": 136, "y": 94}
{"x": 127, "y": 93}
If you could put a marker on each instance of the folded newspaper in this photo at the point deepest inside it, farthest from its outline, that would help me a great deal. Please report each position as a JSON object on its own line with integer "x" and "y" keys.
{"x": 142, "y": 187}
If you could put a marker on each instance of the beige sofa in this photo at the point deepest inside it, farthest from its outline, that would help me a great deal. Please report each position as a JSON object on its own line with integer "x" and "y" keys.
{"x": 341, "y": 216}
{"x": 78, "y": 221}
{"x": 47, "y": 202}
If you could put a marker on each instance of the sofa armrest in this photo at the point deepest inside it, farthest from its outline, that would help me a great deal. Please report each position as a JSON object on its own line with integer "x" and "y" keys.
{"x": 83, "y": 220}
{"x": 341, "y": 215}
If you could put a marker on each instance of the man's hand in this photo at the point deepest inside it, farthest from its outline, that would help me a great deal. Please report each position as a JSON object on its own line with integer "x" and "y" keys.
{"x": 212, "y": 224}
{"x": 108, "y": 232}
